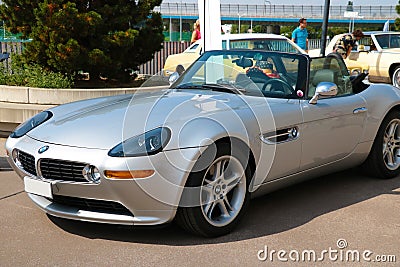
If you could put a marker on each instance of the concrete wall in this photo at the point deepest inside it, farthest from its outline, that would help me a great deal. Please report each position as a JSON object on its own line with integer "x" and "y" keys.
{"x": 18, "y": 104}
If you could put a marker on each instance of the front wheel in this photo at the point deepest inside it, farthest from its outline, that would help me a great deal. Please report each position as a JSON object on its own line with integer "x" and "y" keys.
{"x": 384, "y": 158}
{"x": 222, "y": 193}
{"x": 396, "y": 77}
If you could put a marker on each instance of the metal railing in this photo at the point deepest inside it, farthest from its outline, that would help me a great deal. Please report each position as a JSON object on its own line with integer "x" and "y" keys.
{"x": 155, "y": 65}
{"x": 152, "y": 67}
{"x": 280, "y": 11}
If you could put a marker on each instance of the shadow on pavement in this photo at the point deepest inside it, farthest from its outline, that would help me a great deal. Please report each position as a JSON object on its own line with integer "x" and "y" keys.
{"x": 4, "y": 166}
{"x": 273, "y": 213}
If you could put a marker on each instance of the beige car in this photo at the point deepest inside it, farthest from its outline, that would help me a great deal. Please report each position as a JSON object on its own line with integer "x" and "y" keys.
{"x": 378, "y": 53}
{"x": 262, "y": 41}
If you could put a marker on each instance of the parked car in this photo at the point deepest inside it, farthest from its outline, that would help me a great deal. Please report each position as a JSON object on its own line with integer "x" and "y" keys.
{"x": 270, "y": 42}
{"x": 237, "y": 124}
{"x": 378, "y": 53}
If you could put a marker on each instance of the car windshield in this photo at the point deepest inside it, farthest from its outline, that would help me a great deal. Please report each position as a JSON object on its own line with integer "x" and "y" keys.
{"x": 247, "y": 72}
{"x": 264, "y": 44}
{"x": 386, "y": 41}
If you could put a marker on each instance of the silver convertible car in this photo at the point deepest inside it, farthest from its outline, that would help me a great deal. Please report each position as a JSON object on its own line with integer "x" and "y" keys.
{"x": 237, "y": 124}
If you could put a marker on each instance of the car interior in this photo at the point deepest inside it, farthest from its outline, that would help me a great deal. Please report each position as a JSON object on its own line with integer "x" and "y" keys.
{"x": 332, "y": 69}
{"x": 271, "y": 74}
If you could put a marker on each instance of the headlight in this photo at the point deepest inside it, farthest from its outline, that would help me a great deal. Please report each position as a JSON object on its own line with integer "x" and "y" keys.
{"x": 33, "y": 122}
{"x": 149, "y": 143}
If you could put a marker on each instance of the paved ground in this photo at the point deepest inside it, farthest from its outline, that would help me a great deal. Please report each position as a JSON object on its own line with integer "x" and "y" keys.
{"x": 312, "y": 216}
{"x": 3, "y": 162}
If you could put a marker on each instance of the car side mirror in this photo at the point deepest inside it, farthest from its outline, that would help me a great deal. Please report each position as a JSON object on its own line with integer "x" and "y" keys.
{"x": 324, "y": 89}
{"x": 173, "y": 77}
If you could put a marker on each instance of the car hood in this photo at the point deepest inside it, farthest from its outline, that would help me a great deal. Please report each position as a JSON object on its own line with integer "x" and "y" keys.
{"x": 104, "y": 122}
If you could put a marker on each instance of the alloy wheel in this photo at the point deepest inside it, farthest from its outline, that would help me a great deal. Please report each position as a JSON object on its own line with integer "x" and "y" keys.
{"x": 223, "y": 191}
{"x": 391, "y": 145}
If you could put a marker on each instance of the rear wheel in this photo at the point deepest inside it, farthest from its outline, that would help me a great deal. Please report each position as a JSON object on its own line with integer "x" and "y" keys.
{"x": 384, "y": 158}
{"x": 222, "y": 193}
{"x": 396, "y": 77}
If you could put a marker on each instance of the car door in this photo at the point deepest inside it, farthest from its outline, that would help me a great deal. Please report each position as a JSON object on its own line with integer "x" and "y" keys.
{"x": 331, "y": 128}
{"x": 281, "y": 143}
{"x": 374, "y": 59}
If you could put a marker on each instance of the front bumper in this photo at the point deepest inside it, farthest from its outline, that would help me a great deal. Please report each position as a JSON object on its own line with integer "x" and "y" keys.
{"x": 150, "y": 201}
{"x": 74, "y": 213}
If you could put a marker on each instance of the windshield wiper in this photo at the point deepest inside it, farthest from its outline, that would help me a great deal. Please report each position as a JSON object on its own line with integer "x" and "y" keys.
{"x": 213, "y": 86}
{"x": 223, "y": 88}
{"x": 188, "y": 86}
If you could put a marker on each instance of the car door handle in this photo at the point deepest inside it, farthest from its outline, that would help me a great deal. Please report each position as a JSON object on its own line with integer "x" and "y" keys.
{"x": 359, "y": 110}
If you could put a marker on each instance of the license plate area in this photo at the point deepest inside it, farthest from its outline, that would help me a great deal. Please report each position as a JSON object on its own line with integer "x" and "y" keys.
{"x": 38, "y": 187}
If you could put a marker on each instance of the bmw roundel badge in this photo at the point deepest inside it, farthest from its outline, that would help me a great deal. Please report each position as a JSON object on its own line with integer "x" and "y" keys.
{"x": 43, "y": 149}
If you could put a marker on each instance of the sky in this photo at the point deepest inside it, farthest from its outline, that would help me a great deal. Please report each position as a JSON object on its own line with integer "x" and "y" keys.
{"x": 308, "y": 2}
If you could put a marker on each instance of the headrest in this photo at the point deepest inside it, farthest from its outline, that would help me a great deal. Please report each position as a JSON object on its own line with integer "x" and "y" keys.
{"x": 324, "y": 75}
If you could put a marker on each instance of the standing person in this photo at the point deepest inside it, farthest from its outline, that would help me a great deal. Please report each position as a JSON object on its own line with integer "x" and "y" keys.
{"x": 300, "y": 34}
{"x": 344, "y": 45}
{"x": 196, "y": 35}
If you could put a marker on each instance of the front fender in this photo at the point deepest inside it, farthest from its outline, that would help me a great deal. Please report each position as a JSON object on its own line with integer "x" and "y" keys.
{"x": 201, "y": 132}
{"x": 204, "y": 131}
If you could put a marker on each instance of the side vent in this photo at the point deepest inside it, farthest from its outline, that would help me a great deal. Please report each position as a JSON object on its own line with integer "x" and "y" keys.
{"x": 281, "y": 135}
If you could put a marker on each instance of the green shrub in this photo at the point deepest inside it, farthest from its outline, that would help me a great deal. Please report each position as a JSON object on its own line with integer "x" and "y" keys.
{"x": 34, "y": 76}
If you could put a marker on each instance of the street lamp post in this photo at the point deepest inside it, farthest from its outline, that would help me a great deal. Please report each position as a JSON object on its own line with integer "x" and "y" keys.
{"x": 349, "y": 8}
{"x": 170, "y": 29}
{"x": 239, "y": 20}
{"x": 325, "y": 27}
{"x": 265, "y": 5}
{"x": 180, "y": 23}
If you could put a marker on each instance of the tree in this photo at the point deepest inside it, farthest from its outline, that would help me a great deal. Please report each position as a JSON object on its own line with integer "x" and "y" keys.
{"x": 107, "y": 37}
{"x": 397, "y": 21}
{"x": 19, "y": 15}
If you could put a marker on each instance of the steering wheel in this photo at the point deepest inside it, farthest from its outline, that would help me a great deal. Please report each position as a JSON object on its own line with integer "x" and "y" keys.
{"x": 280, "y": 82}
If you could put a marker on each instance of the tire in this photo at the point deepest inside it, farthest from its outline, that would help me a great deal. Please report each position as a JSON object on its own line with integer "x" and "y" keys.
{"x": 221, "y": 196}
{"x": 396, "y": 77}
{"x": 384, "y": 158}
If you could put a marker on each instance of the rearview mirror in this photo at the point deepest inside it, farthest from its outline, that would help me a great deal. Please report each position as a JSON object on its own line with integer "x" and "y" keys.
{"x": 243, "y": 62}
{"x": 324, "y": 89}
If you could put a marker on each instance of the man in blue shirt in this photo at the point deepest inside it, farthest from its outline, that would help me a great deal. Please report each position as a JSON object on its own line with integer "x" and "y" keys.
{"x": 300, "y": 35}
